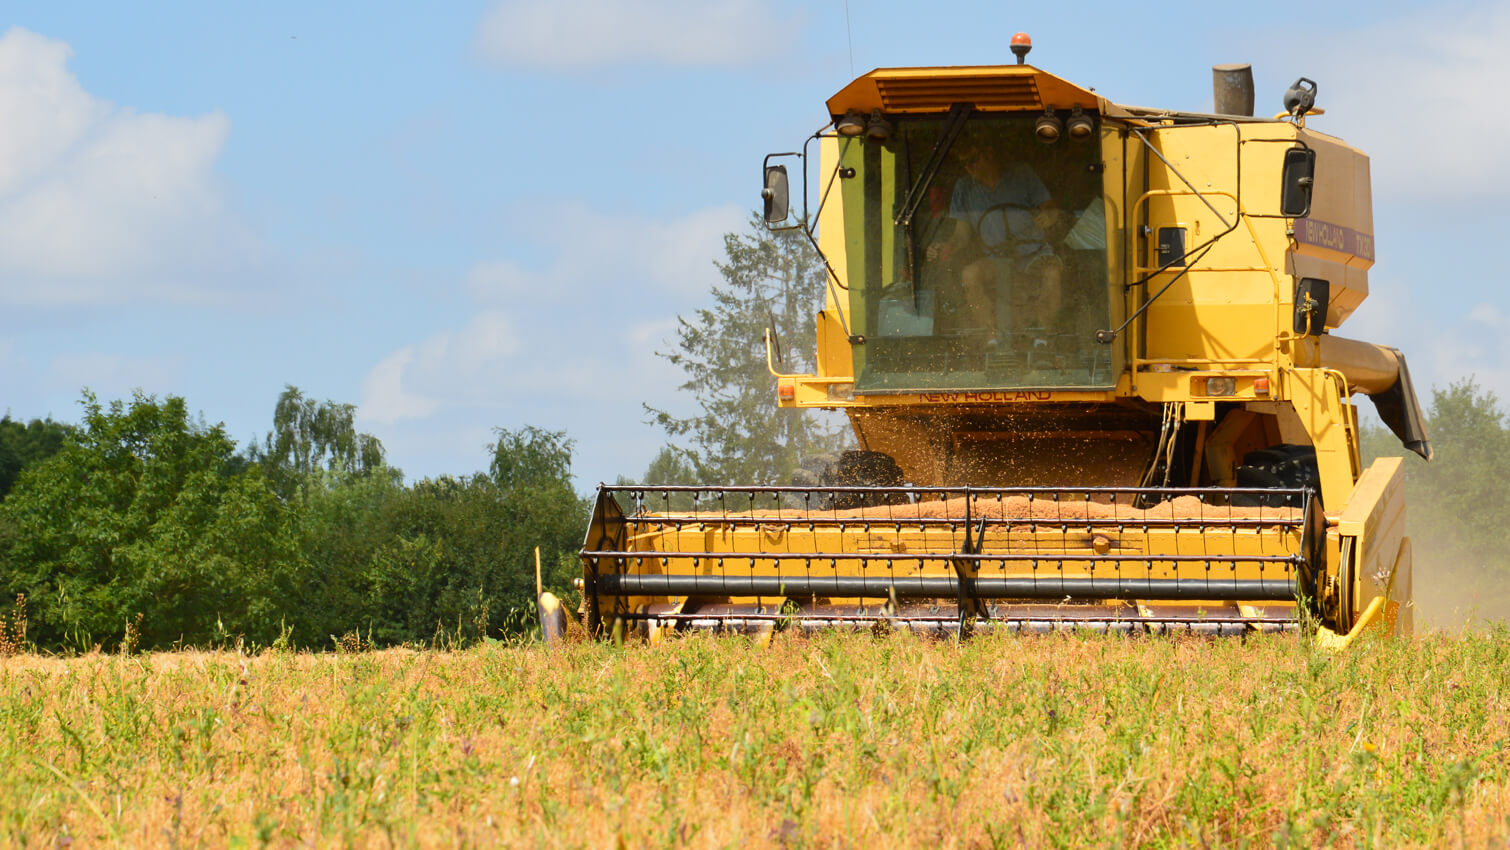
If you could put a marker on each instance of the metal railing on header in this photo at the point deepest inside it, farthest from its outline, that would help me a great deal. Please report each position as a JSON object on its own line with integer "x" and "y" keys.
{"x": 928, "y": 542}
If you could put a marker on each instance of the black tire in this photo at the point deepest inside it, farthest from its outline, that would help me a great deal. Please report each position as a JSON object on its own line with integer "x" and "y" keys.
{"x": 867, "y": 469}
{"x": 848, "y": 469}
{"x": 1285, "y": 466}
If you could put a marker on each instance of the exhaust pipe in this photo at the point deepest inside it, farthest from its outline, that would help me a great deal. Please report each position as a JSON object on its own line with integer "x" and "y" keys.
{"x": 1232, "y": 89}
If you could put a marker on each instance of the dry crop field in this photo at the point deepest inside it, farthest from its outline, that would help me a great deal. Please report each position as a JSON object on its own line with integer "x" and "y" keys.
{"x": 826, "y": 741}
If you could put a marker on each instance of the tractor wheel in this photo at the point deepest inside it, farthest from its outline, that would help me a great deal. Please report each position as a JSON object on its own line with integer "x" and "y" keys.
{"x": 1279, "y": 467}
{"x": 848, "y": 469}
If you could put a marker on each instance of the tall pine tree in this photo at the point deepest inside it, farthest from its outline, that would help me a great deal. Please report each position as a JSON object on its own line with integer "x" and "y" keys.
{"x": 738, "y": 435}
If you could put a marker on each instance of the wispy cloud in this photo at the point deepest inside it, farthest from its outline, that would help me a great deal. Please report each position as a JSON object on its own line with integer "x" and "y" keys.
{"x": 412, "y": 382}
{"x": 535, "y": 345}
{"x": 590, "y": 248}
{"x": 385, "y": 399}
{"x": 1427, "y": 116}
{"x": 549, "y": 35}
{"x": 102, "y": 204}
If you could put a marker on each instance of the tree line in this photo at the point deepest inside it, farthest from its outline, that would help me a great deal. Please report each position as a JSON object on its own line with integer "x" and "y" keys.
{"x": 144, "y": 524}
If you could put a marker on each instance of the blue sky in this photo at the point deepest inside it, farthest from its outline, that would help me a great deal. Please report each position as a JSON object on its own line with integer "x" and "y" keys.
{"x": 480, "y": 214}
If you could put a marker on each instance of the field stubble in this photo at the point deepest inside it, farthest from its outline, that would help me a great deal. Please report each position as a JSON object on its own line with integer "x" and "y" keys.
{"x": 833, "y": 740}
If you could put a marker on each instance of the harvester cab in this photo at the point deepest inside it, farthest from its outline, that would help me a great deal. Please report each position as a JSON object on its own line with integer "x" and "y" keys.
{"x": 1086, "y": 350}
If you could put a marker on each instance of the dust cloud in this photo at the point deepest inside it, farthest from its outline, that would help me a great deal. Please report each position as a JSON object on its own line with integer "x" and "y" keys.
{"x": 1453, "y": 593}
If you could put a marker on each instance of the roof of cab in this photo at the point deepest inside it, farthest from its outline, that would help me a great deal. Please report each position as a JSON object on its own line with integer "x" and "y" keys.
{"x": 990, "y": 88}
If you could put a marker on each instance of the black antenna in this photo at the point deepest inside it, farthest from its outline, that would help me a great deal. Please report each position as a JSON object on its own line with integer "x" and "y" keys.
{"x": 851, "y": 38}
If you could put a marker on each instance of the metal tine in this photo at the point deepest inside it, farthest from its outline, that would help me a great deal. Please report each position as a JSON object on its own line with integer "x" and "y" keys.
{"x": 758, "y": 539}
{"x": 1233, "y": 526}
{"x": 1200, "y": 519}
{"x": 1064, "y": 527}
{"x": 787, "y": 538}
{"x": 1033, "y": 525}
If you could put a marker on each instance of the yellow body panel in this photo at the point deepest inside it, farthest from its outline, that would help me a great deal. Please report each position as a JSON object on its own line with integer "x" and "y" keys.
{"x": 1374, "y": 519}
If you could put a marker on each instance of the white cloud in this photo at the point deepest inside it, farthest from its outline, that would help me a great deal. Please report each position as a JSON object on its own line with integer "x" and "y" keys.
{"x": 535, "y": 345}
{"x": 1487, "y": 314}
{"x": 593, "y": 33}
{"x": 101, "y": 204}
{"x": 47, "y": 110}
{"x": 1417, "y": 94}
{"x": 591, "y": 249}
{"x": 384, "y": 398}
{"x": 486, "y": 365}
{"x": 412, "y": 382}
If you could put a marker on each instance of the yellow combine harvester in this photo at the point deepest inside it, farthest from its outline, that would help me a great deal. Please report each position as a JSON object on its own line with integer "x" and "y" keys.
{"x": 1086, "y": 351}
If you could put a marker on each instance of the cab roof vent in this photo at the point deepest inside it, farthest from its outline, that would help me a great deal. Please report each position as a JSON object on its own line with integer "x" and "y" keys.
{"x": 917, "y": 94}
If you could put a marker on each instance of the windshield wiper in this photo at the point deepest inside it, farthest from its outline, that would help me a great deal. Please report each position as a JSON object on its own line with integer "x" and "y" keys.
{"x": 958, "y": 114}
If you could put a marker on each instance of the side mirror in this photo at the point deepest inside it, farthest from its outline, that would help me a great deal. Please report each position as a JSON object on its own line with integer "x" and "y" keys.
{"x": 1296, "y": 183}
{"x": 1312, "y": 298}
{"x": 776, "y": 194}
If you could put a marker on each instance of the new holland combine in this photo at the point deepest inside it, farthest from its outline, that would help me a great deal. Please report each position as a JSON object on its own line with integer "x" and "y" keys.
{"x": 1086, "y": 350}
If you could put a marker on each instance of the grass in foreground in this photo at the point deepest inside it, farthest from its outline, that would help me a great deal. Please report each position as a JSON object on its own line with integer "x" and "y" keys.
{"x": 836, "y": 740}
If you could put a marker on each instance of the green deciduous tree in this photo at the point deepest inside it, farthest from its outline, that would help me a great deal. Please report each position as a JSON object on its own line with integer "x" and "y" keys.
{"x": 312, "y": 440}
{"x": 738, "y": 434}
{"x": 531, "y": 468}
{"x": 142, "y": 511}
{"x": 22, "y": 445}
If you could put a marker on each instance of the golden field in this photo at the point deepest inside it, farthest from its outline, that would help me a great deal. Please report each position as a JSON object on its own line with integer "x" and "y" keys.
{"x": 1063, "y": 741}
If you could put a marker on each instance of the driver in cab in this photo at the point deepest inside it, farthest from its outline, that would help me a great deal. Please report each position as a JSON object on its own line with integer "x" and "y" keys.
{"x": 1006, "y": 212}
